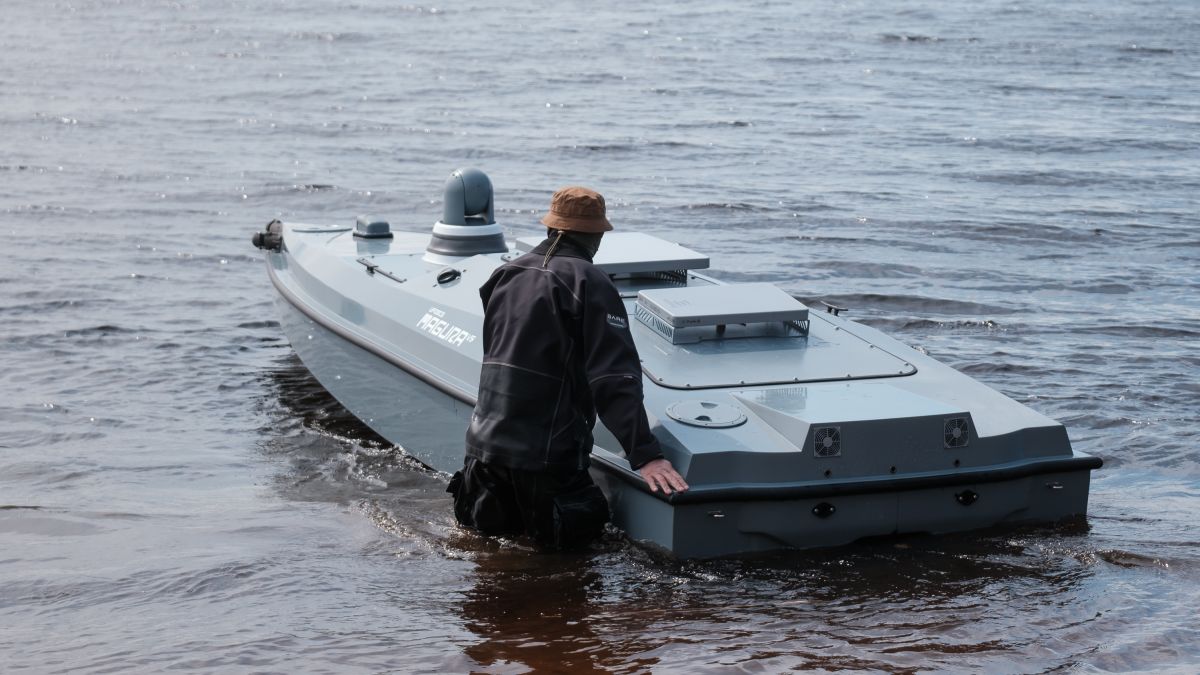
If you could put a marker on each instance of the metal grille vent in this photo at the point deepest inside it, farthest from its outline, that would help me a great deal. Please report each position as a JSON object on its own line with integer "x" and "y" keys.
{"x": 678, "y": 277}
{"x": 656, "y": 324}
{"x": 827, "y": 442}
{"x": 957, "y": 433}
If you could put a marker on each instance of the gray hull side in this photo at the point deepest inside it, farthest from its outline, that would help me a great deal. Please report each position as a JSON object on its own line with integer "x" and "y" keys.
{"x": 396, "y": 405}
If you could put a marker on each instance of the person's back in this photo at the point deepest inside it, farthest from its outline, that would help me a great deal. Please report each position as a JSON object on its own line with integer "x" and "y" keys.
{"x": 557, "y": 351}
{"x": 552, "y": 334}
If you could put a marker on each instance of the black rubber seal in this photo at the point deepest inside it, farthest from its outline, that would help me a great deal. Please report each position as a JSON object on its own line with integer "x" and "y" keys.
{"x": 824, "y": 490}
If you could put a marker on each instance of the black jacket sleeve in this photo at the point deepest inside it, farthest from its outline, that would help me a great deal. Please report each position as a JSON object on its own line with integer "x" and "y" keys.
{"x": 614, "y": 371}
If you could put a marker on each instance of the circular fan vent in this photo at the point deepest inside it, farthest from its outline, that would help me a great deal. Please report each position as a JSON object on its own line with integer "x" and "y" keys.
{"x": 827, "y": 441}
{"x": 957, "y": 433}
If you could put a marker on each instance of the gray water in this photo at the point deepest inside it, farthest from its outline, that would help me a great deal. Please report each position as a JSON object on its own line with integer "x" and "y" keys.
{"x": 1010, "y": 186}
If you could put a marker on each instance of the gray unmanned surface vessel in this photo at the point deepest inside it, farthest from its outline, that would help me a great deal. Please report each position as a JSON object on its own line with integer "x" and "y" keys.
{"x": 793, "y": 429}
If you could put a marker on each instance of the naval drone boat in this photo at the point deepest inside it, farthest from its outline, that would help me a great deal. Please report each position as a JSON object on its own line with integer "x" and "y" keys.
{"x": 794, "y": 429}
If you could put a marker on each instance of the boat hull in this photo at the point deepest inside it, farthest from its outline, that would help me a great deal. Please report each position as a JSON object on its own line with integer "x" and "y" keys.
{"x": 397, "y": 347}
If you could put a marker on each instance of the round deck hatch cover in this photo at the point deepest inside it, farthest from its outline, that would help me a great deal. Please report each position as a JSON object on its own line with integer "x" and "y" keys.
{"x": 706, "y": 414}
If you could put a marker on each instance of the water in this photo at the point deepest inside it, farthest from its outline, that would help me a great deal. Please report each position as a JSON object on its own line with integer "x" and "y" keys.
{"x": 1009, "y": 186}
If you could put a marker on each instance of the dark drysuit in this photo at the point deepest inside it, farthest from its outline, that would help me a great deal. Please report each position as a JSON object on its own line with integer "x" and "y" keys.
{"x": 556, "y": 351}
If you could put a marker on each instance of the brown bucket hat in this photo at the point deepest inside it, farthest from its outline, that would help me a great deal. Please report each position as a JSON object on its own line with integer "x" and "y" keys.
{"x": 577, "y": 209}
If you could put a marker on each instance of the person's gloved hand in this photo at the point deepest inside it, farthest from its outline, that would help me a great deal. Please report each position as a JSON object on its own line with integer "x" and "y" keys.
{"x": 659, "y": 474}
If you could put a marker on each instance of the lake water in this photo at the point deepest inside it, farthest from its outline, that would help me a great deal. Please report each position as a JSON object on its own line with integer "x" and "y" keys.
{"x": 1010, "y": 186}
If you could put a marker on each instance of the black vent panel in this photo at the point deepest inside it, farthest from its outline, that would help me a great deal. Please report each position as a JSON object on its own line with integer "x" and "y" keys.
{"x": 827, "y": 441}
{"x": 957, "y": 433}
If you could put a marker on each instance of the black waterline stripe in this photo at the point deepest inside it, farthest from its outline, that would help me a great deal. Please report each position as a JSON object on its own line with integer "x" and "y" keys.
{"x": 747, "y": 493}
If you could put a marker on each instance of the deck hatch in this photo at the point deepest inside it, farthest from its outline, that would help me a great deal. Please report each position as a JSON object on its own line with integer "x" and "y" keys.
{"x": 721, "y": 312}
{"x": 706, "y": 414}
{"x": 830, "y": 352}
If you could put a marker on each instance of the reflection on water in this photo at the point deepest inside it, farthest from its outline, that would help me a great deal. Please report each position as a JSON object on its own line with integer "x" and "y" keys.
{"x": 536, "y": 610}
{"x": 309, "y": 404}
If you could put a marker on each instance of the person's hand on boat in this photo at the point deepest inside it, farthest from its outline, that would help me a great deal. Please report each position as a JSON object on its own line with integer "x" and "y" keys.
{"x": 660, "y": 475}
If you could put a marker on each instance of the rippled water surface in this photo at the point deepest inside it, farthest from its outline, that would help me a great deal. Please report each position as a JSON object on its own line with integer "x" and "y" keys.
{"x": 1009, "y": 186}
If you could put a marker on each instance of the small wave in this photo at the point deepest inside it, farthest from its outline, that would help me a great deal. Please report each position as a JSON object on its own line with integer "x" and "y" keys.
{"x": 1052, "y": 256}
{"x": 867, "y": 270}
{"x": 1111, "y": 288}
{"x": 630, "y": 146}
{"x": 1143, "y": 49}
{"x": 1045, "y": 178}
{"x": 329, "y": 36}
{"x": 291, "y": 188}
{"x": 259, "y": 324}
{"x": 100, "y": 331}
{"x": 1042, "y": 145}
{"x": 1130, "y": 559}
{"x": 1097, "y": 213}
{"x": 148, "y": 277}
{"x": 716, "y": 124}
{"x": 1105, "y": 289}
{"x": 41, "y": 307}
{"x": 810, "y": 207}
{"x": 586, "y": 78}
{"x": 917, "y": 302}
{"x": 670, "y": 144}
{"x": 1030, "y": 88}
{"x": 724, "y": 206}
{"x": 800, "y": 60}
{"x": 908, "y": 37}
{"x": 48, "y": 526}
{"x": 603, "y": 147}
{"x": 840, "y": 116}
{"x": 1135, "y": 330}
{"x": 56, "y": 119}
{"x": 52, "y": 208}
{"x": 988, "y": 367}
{"x": 986, "y": 324}
{"x": 828, "y": 239}
{"x": 1027, "y": 231}
{"x": 417, "y": 9}
{"x": 431, "y": 534}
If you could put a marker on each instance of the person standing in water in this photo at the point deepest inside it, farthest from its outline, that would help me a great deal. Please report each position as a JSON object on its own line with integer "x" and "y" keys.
{"x": 557, "y": 352}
